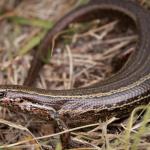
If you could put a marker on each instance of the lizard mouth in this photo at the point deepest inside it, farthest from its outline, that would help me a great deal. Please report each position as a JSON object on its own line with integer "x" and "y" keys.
{"x": 2, "y": 94}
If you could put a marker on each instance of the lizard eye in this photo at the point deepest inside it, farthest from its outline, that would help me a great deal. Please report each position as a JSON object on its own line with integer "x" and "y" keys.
{"x": 2, "y": 94}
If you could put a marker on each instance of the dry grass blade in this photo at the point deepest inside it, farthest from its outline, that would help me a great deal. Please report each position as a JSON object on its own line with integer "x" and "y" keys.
{"x": 20, "y": 128}
{"x": 142, "y": 128}
{"x": 71, "y": 66}
{"x": 84, "y": 55}
{"x": 48, "y": 136}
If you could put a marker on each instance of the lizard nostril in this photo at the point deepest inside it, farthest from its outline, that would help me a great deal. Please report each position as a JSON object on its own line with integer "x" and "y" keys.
{"x": 21, "y": 101}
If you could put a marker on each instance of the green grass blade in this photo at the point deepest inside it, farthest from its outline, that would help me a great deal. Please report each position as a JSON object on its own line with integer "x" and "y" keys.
{"x": 31, "y": 43}
{"x": 32, "y": 22}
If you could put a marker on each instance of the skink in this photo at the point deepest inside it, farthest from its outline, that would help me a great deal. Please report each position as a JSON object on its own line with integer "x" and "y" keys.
{"x": 116, "y": 96}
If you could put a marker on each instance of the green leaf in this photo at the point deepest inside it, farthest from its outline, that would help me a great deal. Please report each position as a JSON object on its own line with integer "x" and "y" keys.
{"x": 80, "y": 2}
{"x": 47, "y": 58}
{"x": 32, "y": 22}
{"x": 31, "y": 43}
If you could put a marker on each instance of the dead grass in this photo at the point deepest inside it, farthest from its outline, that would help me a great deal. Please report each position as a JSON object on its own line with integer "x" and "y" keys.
{"x": 86, "y": 54}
